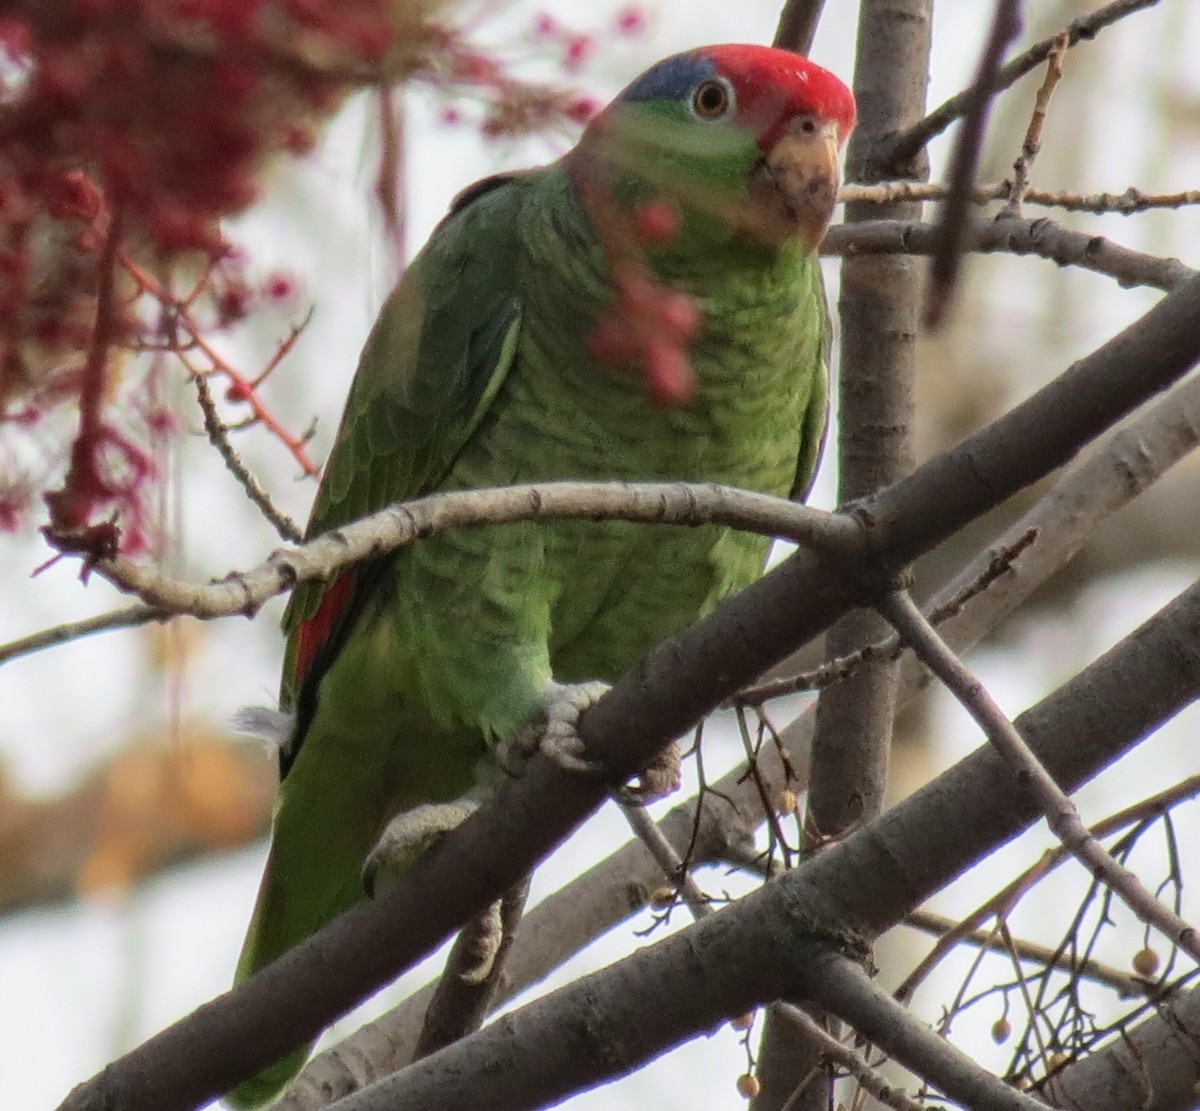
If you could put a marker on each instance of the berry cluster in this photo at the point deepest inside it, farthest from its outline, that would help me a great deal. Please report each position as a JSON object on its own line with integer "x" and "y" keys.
{"x": 129, "y": 129}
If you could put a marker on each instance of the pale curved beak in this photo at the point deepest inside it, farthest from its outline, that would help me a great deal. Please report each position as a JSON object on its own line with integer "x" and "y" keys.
{"x": 795, "y": 185}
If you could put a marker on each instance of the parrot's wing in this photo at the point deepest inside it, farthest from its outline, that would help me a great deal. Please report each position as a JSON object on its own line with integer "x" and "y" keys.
{"x": 816, "y": 414}
{"x": 438, "y": 353}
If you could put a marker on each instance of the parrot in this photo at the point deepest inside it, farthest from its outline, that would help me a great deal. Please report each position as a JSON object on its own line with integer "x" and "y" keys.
{"x": 517, "y": 348}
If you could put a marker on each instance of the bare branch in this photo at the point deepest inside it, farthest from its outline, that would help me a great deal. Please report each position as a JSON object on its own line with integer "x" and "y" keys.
{"x": 218, "y": 436}
{"x": 1041, "y": 237}
{"x": 951, "y": 225}
{"x": 1061, "y": 814}
{"x": 1033, "y": 133}
{"x": 1153, "y": 1067}
{"x": 1126, "y": 983}
{"x": 1007, "y": 897}
{"x": 798, "y": 25}
{"x": 128, "y": 618}
{"x": 1131, "y": 201}
{"x": 461, "y": 1000}
{"x": 999, "y": 563}
{"x": 907, "y": 144}
{"x": 677, "y": 503}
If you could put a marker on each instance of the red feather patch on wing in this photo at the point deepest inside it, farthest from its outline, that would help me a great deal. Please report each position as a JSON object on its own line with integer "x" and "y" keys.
{"x": 313, "y": 633}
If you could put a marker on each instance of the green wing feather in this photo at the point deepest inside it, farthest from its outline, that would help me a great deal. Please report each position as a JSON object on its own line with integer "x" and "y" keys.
{"x": 438, "y": 354}
{"x": 815, "y": 425}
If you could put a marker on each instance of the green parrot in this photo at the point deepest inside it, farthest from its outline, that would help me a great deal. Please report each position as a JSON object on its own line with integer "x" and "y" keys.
{"x": 648, "y": 308}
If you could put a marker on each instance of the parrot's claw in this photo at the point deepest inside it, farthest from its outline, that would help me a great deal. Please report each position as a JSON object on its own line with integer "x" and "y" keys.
{"x": 557, "y": 736}
{"x": 661, "y": 778}
{"x": 409, "y": 834}
{"x": 485, "y": 932}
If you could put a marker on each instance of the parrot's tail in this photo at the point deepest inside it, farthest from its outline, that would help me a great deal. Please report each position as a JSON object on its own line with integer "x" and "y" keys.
{"x": 279, "y": 921}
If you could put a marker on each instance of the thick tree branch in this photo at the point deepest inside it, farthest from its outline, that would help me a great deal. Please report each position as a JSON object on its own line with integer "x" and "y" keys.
{"x": 595, "y": 1028}
{"x": 798, "y": 25}
{"x": 877, "y": 308}
{"x": 244, "y": 1030}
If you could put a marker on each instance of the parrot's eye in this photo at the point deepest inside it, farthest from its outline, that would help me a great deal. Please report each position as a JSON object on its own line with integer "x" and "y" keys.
{"x": 713, "y": 99}
{"x": 808, "y": 125}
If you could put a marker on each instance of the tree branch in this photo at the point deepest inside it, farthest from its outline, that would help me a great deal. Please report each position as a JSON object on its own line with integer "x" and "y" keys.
{"x": 677, "y": 503}
{"x": 907, "y": 144}
{"x": 128, "y": 618}
{"x": 1061, "y": 814}
{"x": 1131, "y": 201}
{"x": 951, "y": 223}
{"x": 1042, "y": 237}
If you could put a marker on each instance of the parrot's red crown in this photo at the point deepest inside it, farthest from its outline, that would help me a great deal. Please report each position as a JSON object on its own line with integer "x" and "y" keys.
{"x": 762, "y": 75}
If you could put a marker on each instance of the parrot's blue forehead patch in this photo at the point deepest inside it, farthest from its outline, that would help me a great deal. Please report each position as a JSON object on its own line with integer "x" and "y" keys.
{"x": 671, "y": 79}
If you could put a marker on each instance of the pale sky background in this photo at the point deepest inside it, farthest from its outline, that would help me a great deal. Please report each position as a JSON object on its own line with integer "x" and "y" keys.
{"x": 82, "y": 983}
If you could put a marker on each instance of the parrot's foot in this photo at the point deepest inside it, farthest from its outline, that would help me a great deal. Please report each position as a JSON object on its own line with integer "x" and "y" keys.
{"x": 663, "y": 776}
{"x": 558, "y": 735}
{"x": 408, "y": 835}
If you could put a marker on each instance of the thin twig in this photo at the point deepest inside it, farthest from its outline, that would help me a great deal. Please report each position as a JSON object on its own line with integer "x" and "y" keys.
{"x": 244, "y": 387}
{"x": 1061, "y": 814}
{"x": 127, "y": 618}
{"x": 1043, "y": 237}
{"x": 1128, "y": 203}
{"x": 908, "y": 143}
{"x": 968, "y": 147}
{"x": 678, "y": 503}
{"x": 218, "y": 436}
{"x": 1128, "y": 984}
{"x": 1005, "y": 899}
{"x": 834, "y": 671}
{"x": 1033, "y": 133}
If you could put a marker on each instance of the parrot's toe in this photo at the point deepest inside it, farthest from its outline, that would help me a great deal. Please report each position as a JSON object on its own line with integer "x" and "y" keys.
{"x": 485, "y": 934}
{"x": 410, "y": 834}
{"x": 557, "y": 734}
{"x": 662, "y": 777}
{"x": 565, "y": 704}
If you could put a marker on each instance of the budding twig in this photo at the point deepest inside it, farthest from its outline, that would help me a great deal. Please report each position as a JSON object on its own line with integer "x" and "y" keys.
{"x": 1033, "y": 134}
{"x": 1061, "y": 814}
{"x": 218, "y": 436}
{"x": 908, "y": 143}
{"x": 680, "y": 503}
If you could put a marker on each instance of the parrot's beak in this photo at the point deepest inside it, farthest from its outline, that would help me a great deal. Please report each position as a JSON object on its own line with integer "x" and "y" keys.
{"x": 794, "y": 187}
